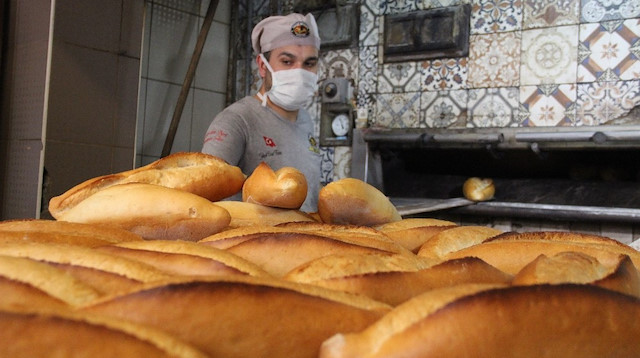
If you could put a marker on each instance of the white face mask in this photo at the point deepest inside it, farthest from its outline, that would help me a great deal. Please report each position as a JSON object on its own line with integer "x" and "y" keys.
{"x": 290, "y": 89}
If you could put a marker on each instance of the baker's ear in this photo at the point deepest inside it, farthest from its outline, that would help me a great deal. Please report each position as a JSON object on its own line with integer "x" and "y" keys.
{"x": 262, "y": 69}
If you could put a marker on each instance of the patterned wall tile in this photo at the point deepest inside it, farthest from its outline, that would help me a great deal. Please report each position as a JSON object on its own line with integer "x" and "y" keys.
{"x": 399, "y": 77}
{"x": 367, "y": 80}
{"x": 341, "y": 163}
{"x": 398, "y": 6}
{"x": 443, "y": 109}
{"x": 603, "y": 10}
{"x": 493, "y": 107}
{"x": 494, "y": 60}
{"x": 548, "y": 105}
{"x": 326, "y": 168}
{"x": 441, "y": 74}
{"x": 338, "y": 63}
{"x": 600, "y": 102}
{"x": 609, "y": 51}
{"x": 430, "y": 4}
{"x": 544, "y": 13}
{"x": 398, "y": 110}
{"x": 548, "y": 55}
{"x": 489, "y": 16}
{"x": 369, "y": 23}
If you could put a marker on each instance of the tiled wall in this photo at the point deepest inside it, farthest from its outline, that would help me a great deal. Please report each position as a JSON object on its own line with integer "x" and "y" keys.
{"x": 171, "y": 31}
{"x": 531, "y": 63}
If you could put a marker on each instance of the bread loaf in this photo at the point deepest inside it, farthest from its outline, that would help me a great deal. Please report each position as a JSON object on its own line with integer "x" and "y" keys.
{"x": 478, "y": 189}
{"x": 389, "y": 282}
{"x": 245, "y": 316}
{"x": 104, "y": 272}
{"x": 352, "y": 201}
{"x": 249, "y": 214}
{"x": 185, "y": 258}
{"x": 29, "y": 283}
{"x": 453, "y": 239}
{"x": 151, "y": 211}
{"x": 32, "y": 230}
{"x": 201, "y": 174}
{"x": 285, "y": 188}
{"x": 38, "y": 333}
{"x": 521, "y": 321}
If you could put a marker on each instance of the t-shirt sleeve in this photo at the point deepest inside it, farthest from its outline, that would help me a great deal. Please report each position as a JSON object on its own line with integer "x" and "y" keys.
{"x": 225, "y": 137}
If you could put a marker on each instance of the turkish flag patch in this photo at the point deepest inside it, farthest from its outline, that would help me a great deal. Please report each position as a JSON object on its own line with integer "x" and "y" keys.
{"x": 269, "y": 142}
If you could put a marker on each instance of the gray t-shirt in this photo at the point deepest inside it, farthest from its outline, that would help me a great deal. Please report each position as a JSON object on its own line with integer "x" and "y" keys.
{"x": 246, "y": 133}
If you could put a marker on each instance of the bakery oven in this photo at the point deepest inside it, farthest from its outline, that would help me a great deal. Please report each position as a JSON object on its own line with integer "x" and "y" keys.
{"x": 567, "y": 173}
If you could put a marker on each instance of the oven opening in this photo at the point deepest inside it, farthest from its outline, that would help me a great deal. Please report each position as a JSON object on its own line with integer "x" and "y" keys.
{"x": 601, "y": 178}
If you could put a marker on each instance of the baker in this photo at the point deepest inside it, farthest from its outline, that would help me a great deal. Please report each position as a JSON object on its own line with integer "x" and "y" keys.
{"x": 273, "y": 125}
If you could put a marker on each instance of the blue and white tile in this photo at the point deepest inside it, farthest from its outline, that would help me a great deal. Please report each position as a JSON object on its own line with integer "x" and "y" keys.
{"x": 398, "y": 110}
{"x": 326, "y": 165}
{"x": 490, "y": 16}
{"x": 399, "y": 77}
{"x": 600, "y": 102}
{"x": 548, "y": 55}
{"x": 399, "y": 6}
{"x": 369, "y": 23}
{"x": 443, "y": 109}
{"x": 603, "y": 10}
{"x": 493, "y": 107}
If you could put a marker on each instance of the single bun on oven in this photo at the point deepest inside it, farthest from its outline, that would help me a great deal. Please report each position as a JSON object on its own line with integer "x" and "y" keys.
{"x": 284, "y": 188}
{"x": 478, "y": 189}
{"x": 201, "y": 174}
{"x": 352, "y": 201}
{"x": 151, "y": 211}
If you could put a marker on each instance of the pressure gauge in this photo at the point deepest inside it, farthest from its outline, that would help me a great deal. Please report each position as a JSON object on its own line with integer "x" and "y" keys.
{"x": 340, "y": 125}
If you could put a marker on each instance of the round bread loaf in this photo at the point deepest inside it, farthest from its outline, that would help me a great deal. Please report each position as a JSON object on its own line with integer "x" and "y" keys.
{"x": 284, "y": 188}
{"x": 201, "y": 174}
{"x": 352, "y": 201}
{"x": 151, "y": 211}
{"x": 478, "y": 189}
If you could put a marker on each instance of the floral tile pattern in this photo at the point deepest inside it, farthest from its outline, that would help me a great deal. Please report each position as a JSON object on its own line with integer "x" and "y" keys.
{"x": 444, "y": 109}
{"x": 547, "y": 105}
{"x": 367, "y": 79}
{"x": 548, "y": 55}
{"x": 489, "y": 16}
{"x": 609, "y": 51}
{"x": 398, "y": 110}
{"x": 326, "y": 168}
{"x": 544, "y": 13}
{"x": 493, "y": 107}
{"x": 399, "y": 6}
{"x": 600, "y": 102}
{"x": 369, "y": 23}
{"x": 338, "y": 63}
{"x": 494, "y": 60}
{"x": 399, "y": 77}
{"x": 441, "y": 74}
{"x": 603, "y": 10}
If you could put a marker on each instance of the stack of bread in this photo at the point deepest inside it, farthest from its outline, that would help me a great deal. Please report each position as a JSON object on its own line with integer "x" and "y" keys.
{"x": 143, "y": 263}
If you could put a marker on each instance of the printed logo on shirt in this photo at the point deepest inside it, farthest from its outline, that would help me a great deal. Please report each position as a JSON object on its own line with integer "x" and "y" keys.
{"x": 313, "y": 144}
{"x": 216, "y": 135}
{"x": 269, "y": 142}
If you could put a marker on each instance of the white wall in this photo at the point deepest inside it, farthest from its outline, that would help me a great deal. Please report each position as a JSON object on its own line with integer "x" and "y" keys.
{"x": 171, "y": 32}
